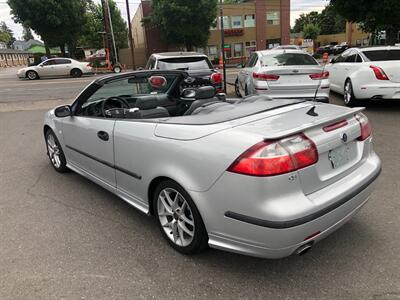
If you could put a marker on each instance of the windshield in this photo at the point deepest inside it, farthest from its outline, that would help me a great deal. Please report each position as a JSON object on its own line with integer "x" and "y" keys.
{"x": 184, "y": 63}
{"x": 288, "y": 59}
{"x": 382, "y": 55}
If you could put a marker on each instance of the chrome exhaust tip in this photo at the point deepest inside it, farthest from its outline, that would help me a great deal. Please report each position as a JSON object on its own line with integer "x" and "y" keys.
{"x": 303, "y": 249}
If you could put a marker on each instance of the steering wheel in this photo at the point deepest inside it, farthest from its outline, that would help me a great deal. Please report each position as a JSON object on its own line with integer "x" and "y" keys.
{"x": 122, "y": 102}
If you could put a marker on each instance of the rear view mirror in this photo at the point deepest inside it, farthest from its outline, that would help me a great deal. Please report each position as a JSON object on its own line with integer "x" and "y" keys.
{"x": 63, "y": 111}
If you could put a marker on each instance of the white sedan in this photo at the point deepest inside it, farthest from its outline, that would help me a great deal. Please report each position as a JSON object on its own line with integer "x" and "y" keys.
{"x": 366, "y": 73}
{"x": 56, "y": 67}
{"x": 283, "y": 74}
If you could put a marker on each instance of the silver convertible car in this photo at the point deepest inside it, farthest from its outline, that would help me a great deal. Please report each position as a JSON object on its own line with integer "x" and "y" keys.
{"x": 255, "y": 176}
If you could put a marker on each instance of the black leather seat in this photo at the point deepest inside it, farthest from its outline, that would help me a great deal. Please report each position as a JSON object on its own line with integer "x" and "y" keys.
{"x": 148, "y": 109}
{"x": 204, "y": 95}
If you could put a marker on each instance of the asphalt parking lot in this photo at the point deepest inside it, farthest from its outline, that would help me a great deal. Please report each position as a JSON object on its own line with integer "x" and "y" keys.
{"x": 63, "y": 237}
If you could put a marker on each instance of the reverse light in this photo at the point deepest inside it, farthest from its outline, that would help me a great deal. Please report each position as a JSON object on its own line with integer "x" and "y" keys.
{"x": 319, "y": 76}
{"x": 379, "y": 73}
{"x": 265, "y": 77}
{"x": 275, "y": 157}
{"x": 216, "y": 77}
{"x": 365, "y": 126}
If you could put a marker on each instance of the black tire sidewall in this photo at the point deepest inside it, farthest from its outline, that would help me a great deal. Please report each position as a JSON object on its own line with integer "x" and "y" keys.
{"x": 76, "y": 73}
{"x": 353, "y": 100}
{"x": 200, "y": 238}
{"x": 237, "y": 88}
{"x": 32, "y": 72}
{"x": 63, "y": 167}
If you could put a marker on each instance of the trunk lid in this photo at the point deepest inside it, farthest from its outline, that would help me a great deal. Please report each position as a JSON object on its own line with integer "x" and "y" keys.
{"x": 391, "y": 68}
{"x": 293, "y": 77}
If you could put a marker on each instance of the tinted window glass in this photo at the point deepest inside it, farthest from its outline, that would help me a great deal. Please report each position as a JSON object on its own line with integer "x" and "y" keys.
{"x": 251, "y": 62}
{"x": 358, "y": 58}
{"x": 62, "y": 61}
{"x": 49, "y": 62}
{"x": 351, "y": 58}
{"x": 381, "y": 55}
{"x": 184, "y": 63}
{"x": 288, "y": 59}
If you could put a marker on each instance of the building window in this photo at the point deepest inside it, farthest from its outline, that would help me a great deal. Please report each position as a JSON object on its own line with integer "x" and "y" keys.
{"x": 238, "y": 50}
{"x": 236, "y": 21}
{"x": 250, "y": 47}
{"x": 212, "y": 52}
{"x": 227, "y": 23}
{"x": 272, "y": 43}
{"x": 273, "y": 18}
{"x": 249, "y": 21}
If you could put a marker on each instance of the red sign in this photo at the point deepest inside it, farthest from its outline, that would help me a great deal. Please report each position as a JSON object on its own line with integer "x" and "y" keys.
{"x": 233, "y": 32}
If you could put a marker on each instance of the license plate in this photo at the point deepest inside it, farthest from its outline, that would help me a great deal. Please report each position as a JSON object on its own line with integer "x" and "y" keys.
{"x": 339, "y": 156}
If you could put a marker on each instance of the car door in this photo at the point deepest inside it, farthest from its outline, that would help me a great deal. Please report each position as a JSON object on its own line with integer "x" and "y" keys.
{"x": 47, "y": 68}
{"x": 244, "y": 74}
{"x": 89, "y": 139}
{"x": 337, "y": 70}
{"x": 62, "y": 67}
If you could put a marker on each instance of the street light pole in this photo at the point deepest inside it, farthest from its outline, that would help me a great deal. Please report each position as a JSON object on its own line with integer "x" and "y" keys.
{"x": 130, "y": 36}
{"x": 112, "y": 32}
{"x": 221, "y": 12}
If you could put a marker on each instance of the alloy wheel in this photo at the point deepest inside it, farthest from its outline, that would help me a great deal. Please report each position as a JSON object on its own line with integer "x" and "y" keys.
{"x": 348, "y": 92}
{"x": 31, "y": 75}
{"x": 176, "y": 217}
{"x": 54, "y": 151}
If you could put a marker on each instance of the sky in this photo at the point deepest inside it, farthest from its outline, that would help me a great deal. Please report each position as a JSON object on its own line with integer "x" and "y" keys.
{"x": 297, "y": 7}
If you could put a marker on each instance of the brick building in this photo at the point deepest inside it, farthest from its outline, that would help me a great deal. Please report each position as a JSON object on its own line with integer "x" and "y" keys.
{"x": 248, "y": 26}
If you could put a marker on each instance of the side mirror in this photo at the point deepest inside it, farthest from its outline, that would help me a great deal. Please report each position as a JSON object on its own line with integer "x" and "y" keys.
{"x": 63, "y": 111}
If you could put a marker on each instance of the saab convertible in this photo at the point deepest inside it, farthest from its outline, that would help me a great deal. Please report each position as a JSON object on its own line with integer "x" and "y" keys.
{"x": 254, "y": 176}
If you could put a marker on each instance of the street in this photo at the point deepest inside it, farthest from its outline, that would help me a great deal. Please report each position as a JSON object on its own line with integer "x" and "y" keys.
{"x": 62, "y": 236}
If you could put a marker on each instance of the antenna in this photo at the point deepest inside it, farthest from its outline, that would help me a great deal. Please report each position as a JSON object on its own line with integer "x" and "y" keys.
{"x": 311, "y": 111}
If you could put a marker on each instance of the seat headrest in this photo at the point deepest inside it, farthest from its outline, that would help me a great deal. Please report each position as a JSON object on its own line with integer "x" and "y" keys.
{"x": 205, "y": 92}
{"x": 146, "y": 103}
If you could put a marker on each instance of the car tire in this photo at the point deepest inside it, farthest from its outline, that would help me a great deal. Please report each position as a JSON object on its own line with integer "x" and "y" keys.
{"x": 55, "y": 152}
{"x": 76, "y": 73}
{"x": 246, "y": 91}
{"x": 237, "y": 88}
{"x": 178, "y": 218}
{"x": 348, "y": 94}
{"x": 32, "y": 75}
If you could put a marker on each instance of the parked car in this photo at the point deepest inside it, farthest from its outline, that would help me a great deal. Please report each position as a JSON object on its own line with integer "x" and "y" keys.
{"x": 256, "y": 176}
{"x": 55, "y": 67}
{"x": 283, "y": 74}
{"x": 339, "y": 49}
{"x": 366, "y": 73}
{"x": 288, "y": 47}
{"x": 325, "y": 49}
{"x": 197, "y": 65}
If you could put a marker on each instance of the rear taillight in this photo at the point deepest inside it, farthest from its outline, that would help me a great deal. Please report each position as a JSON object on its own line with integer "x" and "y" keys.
{"x": 365, "y": 126}
{"x": 319, "y": 76}
{"x": 216, "y": 77}
{"x": 379, "y": 73}
{"x": 265, "y": 77}
{"x": 275, "y": 157}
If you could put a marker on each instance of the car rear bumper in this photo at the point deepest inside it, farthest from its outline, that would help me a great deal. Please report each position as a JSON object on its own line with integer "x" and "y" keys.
{"x": 387, "y": 91}
{"x": 322, "y": 93}
{"x": 232, "y": 227}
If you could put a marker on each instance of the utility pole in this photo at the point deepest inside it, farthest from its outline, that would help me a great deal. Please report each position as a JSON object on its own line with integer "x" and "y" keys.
{"x": 222, "y": 41}
{"x": 109, "y": 32}
{"x": 131, "y": 44}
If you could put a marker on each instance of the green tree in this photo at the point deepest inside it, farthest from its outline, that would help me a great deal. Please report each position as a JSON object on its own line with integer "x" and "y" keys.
{"x": 27, "y": 33}
{"x": 91, "y": 36}
{"x": 6, "y": 34}
{"x": 311, "y": 31}
{"x": 58, "y": 22}
{"x": 372, "y": 15}
{"x": 329, "y": 21}
{"x": 184, "y": 22}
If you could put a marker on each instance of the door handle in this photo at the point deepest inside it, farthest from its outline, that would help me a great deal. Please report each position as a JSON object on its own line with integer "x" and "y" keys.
{"x": 103, "y": 135}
